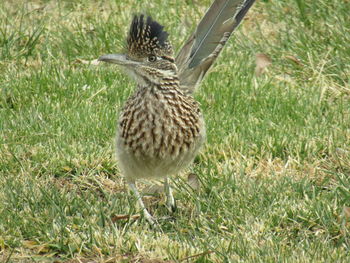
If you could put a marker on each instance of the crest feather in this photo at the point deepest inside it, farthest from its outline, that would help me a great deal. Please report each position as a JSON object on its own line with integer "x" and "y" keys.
{"x": 146, "y": 36}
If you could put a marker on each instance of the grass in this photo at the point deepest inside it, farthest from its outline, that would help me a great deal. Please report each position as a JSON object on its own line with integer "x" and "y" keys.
{"x": 274, "y": 172}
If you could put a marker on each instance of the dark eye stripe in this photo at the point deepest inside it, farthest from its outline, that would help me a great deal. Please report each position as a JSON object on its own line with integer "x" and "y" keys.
{"x": 168, "y": 58}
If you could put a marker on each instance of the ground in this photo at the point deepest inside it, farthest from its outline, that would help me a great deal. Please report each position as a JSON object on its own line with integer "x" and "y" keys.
{"x": 273, "y": 175}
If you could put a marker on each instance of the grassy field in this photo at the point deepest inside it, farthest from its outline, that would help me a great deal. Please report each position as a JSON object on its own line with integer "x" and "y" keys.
{"x": 274, "y": 174}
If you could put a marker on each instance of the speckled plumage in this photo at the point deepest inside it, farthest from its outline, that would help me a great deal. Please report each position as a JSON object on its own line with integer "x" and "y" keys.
{"x": 160, "y": 129}
{"x": 160, "y": 132}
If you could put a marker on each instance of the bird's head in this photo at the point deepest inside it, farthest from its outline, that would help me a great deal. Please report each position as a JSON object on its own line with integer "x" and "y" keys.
{"x": 149, "y": 55}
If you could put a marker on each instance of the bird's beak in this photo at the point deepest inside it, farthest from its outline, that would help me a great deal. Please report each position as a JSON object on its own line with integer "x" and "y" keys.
{"x": 120, "y": 59}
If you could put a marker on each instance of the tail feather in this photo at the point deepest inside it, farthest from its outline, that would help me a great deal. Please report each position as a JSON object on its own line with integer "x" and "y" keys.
{"x": 206, "y": 43}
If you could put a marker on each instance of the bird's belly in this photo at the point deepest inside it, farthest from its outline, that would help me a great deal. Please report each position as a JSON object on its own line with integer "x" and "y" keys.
{"x": 135, "y": 167}
{"x": 157, "y": 156}
{"x": 157, "y": 135}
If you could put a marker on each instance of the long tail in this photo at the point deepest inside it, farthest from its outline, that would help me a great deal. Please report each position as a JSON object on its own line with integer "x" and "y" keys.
{"x": 206, "y": 43}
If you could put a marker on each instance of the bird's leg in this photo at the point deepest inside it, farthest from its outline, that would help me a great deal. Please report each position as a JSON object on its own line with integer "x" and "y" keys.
{"x": 170, "y": 201}
{"x": 145, "y": 212}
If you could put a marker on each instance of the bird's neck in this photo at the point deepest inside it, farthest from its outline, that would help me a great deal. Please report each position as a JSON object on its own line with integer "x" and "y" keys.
{"x": 169, "y": 82}
{"x": 163, "y": 83}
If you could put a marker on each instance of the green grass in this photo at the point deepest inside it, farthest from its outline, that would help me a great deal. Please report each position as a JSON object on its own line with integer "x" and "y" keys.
{"x": 274, "y": 172}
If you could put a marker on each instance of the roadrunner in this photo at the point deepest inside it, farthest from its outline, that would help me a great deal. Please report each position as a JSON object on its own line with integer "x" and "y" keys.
{"x": 161, "y": 127}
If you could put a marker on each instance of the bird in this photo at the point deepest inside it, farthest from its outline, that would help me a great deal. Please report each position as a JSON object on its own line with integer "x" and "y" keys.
{"x": 161, "y": 126}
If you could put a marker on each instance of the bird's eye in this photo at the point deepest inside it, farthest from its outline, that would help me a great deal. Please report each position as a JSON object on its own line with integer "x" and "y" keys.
{"x": 152, "y": 58}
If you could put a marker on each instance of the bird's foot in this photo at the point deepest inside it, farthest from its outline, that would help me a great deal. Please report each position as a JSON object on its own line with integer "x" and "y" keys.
{"x": 170, "y": 200}
{"x": 171, "y": 204}
{"x": 150, "y": 219}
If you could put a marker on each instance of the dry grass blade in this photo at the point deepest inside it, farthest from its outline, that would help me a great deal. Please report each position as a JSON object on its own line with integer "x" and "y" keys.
{"x": 123, "y": 217}
{"x": 262, "y": 61}
{"x": 94, "y": 62}
{"x": 295, "y": 60}
{"x": 197, "y": 255}
{"x": 193, "y": 181}
{"x": 344, "y": 221}
{"x": 346, "y": 212}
